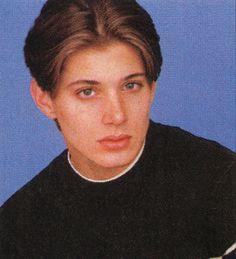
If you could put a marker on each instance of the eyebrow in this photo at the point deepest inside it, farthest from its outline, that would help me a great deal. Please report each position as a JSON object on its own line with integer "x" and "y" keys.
{"x": 85, "y": 81}
{"x": 94, "y": 82}
{"x": 134, "y": 75}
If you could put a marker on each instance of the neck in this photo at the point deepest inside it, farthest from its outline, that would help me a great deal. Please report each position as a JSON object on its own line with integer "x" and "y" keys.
{"x": 91, "y": 172}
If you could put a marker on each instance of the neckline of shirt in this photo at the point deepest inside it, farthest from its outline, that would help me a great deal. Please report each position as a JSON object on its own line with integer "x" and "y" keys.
{"x": 112, "y": 178}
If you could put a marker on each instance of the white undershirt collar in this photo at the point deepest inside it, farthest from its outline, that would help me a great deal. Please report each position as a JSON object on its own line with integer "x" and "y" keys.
{"x": 110, "y": 179}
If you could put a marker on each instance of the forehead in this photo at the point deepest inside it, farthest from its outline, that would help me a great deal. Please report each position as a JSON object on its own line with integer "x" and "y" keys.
{"x": 103, "y": 62}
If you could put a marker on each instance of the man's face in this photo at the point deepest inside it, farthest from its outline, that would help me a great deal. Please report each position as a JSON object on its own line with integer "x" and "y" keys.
{"x": 102, "y": 104}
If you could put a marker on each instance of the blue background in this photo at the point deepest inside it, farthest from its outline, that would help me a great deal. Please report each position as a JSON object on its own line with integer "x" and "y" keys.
{"x": 196, "y": 90}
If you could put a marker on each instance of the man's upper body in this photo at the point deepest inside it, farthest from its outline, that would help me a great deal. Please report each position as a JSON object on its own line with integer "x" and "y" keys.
{"x": 94, "y": 71}
{"x": 177, "y": 201}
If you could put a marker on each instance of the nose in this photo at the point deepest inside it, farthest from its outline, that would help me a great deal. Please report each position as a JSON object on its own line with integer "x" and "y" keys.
{"x": 114, "y": 110}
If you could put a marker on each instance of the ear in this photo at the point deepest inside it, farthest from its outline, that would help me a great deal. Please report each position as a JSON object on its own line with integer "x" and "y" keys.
{"x": 42, "y": 99}
{"x": 153, "y": 90}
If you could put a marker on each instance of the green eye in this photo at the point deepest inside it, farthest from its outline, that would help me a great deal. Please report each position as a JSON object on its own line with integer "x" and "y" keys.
{"x": 87, "y": 92}
{"x": 133, "y": 86}
{"x": 130, "y": 85}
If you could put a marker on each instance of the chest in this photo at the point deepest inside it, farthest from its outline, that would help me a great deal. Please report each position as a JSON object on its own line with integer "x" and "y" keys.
{"x": 142, "y": 222}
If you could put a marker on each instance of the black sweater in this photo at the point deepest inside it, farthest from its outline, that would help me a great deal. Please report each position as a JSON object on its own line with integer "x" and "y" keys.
{"x": 177, "y": 202}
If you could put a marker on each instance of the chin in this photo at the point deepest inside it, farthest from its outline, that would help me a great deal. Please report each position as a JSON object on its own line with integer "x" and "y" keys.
{"x": 116, "y": 161}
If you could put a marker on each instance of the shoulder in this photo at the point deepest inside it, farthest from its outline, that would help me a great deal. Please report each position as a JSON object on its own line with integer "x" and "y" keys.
{"x": 32, "y": 210}
{"x": 181, "y": 139}
{"x": 35, "y": 191}
{"x": 181, "y": 143}
{"x": 184, "y": 152}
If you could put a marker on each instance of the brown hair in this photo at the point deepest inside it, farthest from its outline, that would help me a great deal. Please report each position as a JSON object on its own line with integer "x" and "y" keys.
{"x": 65, "y": 26}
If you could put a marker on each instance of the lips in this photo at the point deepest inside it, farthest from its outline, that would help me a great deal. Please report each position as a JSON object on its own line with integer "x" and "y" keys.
{"x": 113, "y": 142}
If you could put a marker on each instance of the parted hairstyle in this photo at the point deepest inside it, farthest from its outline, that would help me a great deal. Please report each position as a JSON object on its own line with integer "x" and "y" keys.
{"x": 67, "y": 26}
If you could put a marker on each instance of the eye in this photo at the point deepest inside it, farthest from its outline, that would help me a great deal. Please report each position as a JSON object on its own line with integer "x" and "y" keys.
{"x": 88, "y": 92}
{"x": 132, "y": 86}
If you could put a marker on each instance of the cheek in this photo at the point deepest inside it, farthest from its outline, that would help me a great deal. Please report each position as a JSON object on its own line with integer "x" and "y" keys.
{"x": 140, "y": 106}
{"x": 78, "y": 118}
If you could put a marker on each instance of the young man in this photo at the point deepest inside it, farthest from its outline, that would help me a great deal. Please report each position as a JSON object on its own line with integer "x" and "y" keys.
{"x": 126, "y": 187}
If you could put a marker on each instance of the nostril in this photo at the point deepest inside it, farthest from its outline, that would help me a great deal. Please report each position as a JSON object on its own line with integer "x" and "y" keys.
{"x": 115, "y": 113}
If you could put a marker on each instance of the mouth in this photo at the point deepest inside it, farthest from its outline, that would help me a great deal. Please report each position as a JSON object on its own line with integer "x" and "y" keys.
{"x": 115, "y": 142}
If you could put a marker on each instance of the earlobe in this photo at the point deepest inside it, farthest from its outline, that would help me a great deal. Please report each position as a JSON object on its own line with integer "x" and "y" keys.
{"x": 42, "y": 99}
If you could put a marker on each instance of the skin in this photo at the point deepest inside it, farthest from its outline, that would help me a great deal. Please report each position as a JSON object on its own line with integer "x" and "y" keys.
{"x": 102, "y": 103}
